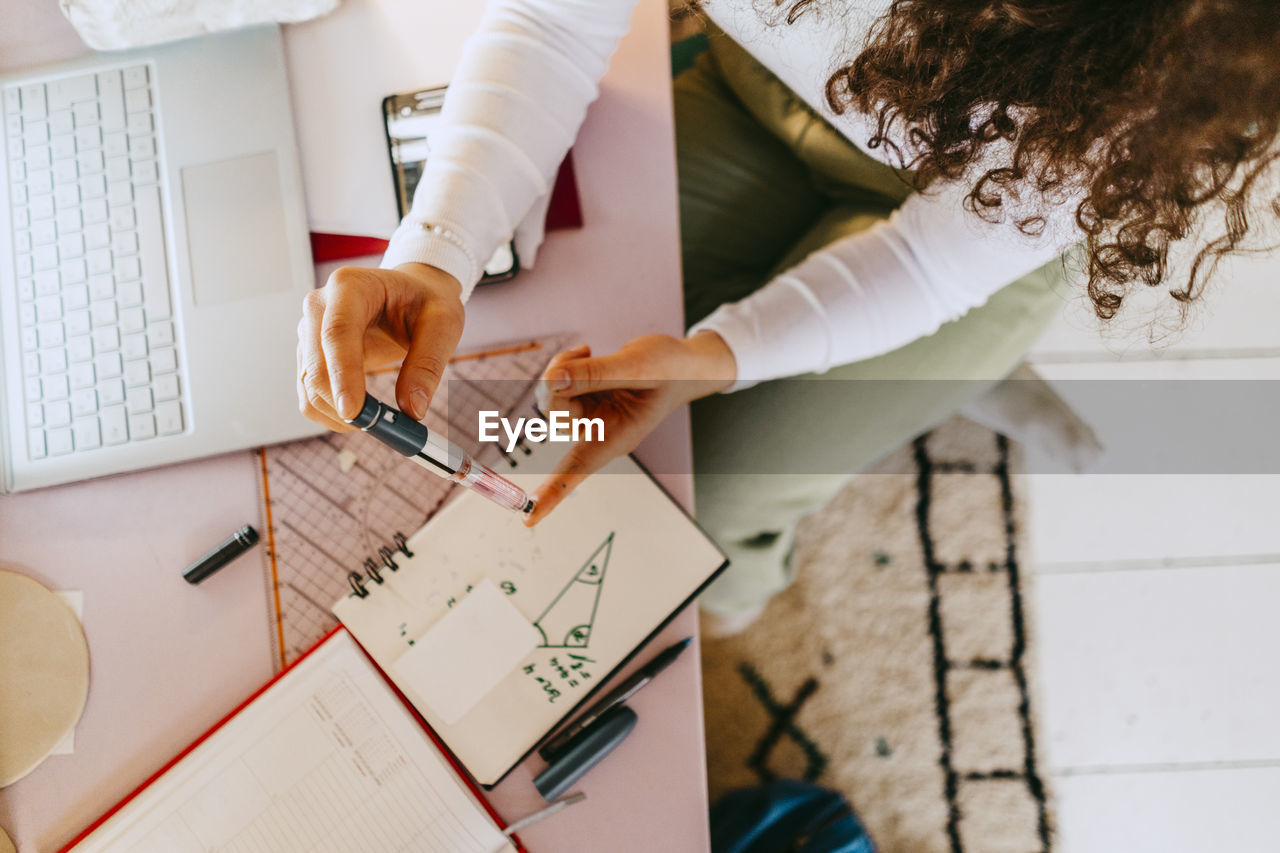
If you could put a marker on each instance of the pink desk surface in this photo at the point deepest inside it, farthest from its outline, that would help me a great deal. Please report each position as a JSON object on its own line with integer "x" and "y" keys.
{"x": 169, "y": 659}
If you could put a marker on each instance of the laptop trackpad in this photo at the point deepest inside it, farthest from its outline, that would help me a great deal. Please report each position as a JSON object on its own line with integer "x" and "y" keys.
{"x": 236, "y": 229}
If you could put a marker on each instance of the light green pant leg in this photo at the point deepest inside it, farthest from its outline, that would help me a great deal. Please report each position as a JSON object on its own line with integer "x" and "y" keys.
{"x": 831, "y": 426}
{"x": 744, "y": 199}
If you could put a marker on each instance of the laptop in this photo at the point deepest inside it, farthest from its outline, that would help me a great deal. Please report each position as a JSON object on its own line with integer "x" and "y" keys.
{"x": 154, "y": 254}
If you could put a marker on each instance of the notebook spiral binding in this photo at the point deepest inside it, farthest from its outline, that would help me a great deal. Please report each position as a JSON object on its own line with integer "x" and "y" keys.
{"x": 372, "y": 571}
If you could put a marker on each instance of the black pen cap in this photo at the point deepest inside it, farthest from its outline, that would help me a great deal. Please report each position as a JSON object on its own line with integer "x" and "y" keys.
{"x": 585, "y": 750}
{"x": 391, "y": 426}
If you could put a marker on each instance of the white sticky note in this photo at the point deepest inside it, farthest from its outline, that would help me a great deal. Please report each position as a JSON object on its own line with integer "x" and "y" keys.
{"x": 464, "y": 655}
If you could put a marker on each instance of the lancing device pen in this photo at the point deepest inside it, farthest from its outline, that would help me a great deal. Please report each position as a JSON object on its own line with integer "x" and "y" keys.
{"x": 409, "y": 438}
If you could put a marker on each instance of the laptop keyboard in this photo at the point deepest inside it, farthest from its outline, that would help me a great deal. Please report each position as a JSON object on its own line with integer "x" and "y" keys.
{"x": 99, "y": 356}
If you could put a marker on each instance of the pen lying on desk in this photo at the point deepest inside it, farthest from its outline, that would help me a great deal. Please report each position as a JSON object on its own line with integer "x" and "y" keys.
{"x": 617, "y": 696}
{"x": 530, "y": 820}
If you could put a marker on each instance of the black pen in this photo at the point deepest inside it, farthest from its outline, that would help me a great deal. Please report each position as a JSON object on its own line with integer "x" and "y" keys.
{"x": 617, "y": 696}
{"x": 235, "y": 545}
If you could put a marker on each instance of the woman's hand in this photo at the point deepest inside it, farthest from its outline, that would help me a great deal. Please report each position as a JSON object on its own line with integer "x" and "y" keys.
{"x": 633, "y": 391}
{"x": 366, "y": 318}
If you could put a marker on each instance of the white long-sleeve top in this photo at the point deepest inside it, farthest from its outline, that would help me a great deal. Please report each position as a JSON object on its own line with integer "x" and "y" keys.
{"x": 514, "y": 107}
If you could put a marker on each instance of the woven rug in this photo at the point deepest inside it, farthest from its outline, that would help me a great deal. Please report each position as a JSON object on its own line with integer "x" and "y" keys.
{"x": 896, "y": 667}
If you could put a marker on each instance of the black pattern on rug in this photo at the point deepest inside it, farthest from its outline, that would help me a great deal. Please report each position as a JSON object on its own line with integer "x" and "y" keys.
{"x": 896, "y": 667}
{"x": 943, "y": 665}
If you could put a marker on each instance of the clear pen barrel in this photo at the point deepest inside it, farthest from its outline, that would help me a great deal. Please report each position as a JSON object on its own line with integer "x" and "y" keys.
{"x": 491, "y": 485}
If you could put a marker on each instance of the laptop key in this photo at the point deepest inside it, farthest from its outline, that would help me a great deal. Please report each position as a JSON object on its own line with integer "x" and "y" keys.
{"x": 75, "y": 296}
{"x": 138, "y": 400}
{"x": 114, "y": 424}
{"x": 142, "y": 426}
{"x": 134, "y": 347}
{"x": 43, "y": 233}
{"x": 73, "y": 271}
{"x": 53, "y": 361}
{"x": 69, "y": 90}
{"x": 135, "y": 77}
{"x": 110, "y": 392}
{"x": 82, "y": 375}
{"x": 79, "y": 350}
{"x": 59, "y": 442}
{"x": 130, "y": 294}
{"x": 84, "y": 402}
{"x": 51, "y": 335}
{"x": 61, "y": 123}
{"x": 101, "y": 286}
{"x": 137, "y": 373}
{"x": 86, "y": 114}
{"x": 57, "y": 414}
{"x": 103, "y": 314}
{"x": 87, "y": 433}
{"x": 77, "y": 324}
{"x": 131, "y": 321}
{"x": 55, "y": 387}
{"x": 106, "y": 340}
{"x": 48, "y": 310}
{"x": 164, "y": 360}
{"x": 108, "y": 365}
{"x": 169, "y": 417}
{"x": 166, "y": 387}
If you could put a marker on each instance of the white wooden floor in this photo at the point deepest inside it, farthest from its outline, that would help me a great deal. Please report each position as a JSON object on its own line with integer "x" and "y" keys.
{"x": 1158, "y": 611}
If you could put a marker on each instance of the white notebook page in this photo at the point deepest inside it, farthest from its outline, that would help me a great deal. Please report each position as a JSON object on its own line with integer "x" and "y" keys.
{"x": 595, "y": 578}
{"x": 328, "y": 758}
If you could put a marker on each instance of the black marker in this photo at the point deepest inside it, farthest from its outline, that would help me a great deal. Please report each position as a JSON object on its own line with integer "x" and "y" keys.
{"x": 617, "y": 696}
{"x": 239, "y": 542}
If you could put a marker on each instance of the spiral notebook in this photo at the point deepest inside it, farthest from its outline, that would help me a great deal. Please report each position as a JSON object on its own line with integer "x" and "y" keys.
{"x": 558, "y": 608}
{"x": 326, "y": 756}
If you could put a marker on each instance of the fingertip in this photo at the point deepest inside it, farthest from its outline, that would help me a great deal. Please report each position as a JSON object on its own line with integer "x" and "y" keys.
{"x": 346, "y": 406}
{"x": 558, "y": 379}
{"x": 419, "y": 403}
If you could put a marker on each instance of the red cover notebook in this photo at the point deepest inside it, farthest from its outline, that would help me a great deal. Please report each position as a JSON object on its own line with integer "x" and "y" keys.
{"x": 326, "y": 755}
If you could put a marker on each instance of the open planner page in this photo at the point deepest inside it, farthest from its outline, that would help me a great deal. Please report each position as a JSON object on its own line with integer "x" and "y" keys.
{"x": 328, "y": 758}
{"x": 588, "y": 585}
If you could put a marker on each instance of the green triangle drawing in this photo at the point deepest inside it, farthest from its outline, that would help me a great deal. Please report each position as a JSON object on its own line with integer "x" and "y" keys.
{"x": 568, "y": 619}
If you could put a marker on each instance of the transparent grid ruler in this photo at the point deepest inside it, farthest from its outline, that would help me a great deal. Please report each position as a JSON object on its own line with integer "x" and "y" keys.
{"x": 334, "y": 502}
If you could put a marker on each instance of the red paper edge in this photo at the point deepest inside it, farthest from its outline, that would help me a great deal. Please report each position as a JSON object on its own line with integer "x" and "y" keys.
{"x": 105, "y": 816}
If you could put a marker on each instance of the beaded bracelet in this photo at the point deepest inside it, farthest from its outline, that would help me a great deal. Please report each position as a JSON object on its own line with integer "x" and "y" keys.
{"x": 452, "y": 238}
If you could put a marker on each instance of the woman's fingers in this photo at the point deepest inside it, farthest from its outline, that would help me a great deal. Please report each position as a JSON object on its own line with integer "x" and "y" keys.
{"x": 321, "y": 414}
{"x": 572, "y": 405}
{"x": 435, "y": 337}
{"x": 351, "y": 304}
{"x": 575, "y": 376}
{"x": 313, "y": 370}
{"x": 582, "y": 460}
{"x": 543, "y": 393}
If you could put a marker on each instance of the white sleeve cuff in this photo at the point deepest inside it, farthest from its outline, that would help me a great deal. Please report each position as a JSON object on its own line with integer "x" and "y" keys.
{"x": 743, "y": 341}
{"x": 411, "y": 243}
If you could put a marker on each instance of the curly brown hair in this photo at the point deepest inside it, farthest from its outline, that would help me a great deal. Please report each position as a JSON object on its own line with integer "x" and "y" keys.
{"x": 1162, "y": 114}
